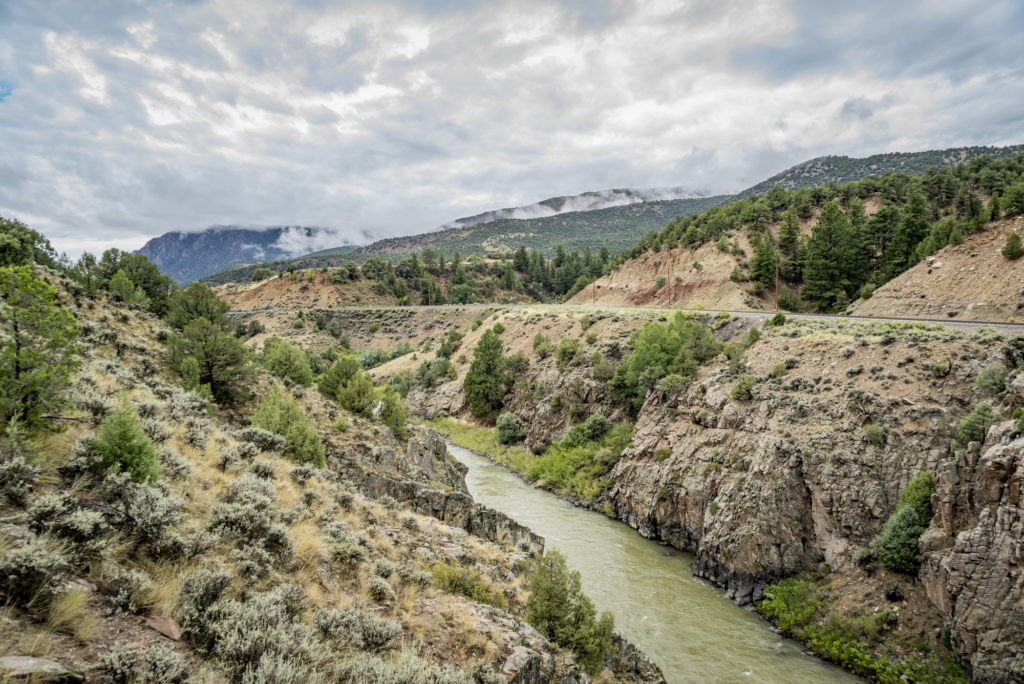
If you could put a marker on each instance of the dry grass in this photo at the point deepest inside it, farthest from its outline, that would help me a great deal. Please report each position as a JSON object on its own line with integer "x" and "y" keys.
{"x": 70, "y": 614}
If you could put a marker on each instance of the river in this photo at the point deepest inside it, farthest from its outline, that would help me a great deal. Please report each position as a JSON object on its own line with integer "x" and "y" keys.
{"x": 688, "y": 627}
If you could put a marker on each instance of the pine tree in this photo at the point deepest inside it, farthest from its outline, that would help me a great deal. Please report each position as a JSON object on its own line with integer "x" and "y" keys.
{"x": 485, "y": 382}
{"x": 520, "y": 261}
{"x": 196, "y": 301}
{"x": 789, "y": 234}
{"x": 912, "y": 229}
{"x": 122, "y": 445}
{"x": 765, "y": 261}
{"x": 279, "y": 413}
{"x": 38, "y": 347}
{"x": 222, "y": 358}
{"x": 827, "y": 269}
{"x": 1013, "y": 250}
{"x": 897, "y": 545}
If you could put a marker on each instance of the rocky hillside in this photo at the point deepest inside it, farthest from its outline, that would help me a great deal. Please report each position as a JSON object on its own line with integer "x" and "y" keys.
{"x": 232, "y": 562}
{"x": 969, "y": 281}
{"x": 796, "y": 474}
{"x": 839, "y": 169}
{"x": 190, "y": 256}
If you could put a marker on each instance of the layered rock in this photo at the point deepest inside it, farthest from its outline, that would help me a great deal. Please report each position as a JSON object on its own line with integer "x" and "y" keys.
{"x": 974, "y": 555}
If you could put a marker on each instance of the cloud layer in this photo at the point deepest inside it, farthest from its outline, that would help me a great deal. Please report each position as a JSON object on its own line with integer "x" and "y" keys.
{"x": 124, "y": 120}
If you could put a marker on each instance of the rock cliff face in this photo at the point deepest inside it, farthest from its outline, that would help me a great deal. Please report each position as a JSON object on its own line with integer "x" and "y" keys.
{"x": 974, "y": 562}
{"x": 769, "y": 487}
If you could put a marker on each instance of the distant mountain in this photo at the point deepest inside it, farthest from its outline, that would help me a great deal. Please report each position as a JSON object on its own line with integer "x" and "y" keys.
{"x": 839, "y": 170}
{"x": 189, "y": 256}
{"x": 616, "y": 219}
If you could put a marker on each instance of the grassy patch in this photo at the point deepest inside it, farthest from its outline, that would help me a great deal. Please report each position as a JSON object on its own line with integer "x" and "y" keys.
{"x": 485, "y": 441}
{"x": 864, "y": 645}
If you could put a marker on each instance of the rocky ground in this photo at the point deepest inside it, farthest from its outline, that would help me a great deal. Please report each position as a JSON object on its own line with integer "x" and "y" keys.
{"x": 970, "y": 281}
{"x": 357, "y": 544}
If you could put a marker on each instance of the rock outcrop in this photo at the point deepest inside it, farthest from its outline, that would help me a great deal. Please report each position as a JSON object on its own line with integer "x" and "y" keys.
{"x": 974, "y": 555}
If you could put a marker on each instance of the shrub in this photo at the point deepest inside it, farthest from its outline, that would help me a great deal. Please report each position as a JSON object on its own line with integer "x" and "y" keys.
{"x": 32, "y": 576}
{"x": 602, "y": 370}
{"x": 285, "y": 360}
{"x": 896, "y": 546}
{"x": 362, "y": 630}
{"x": 467, "y": 582}
{"x": 197, "y": 595}
{"x": 875, "y": 433}
{"x": 121, "y": 445}
{"x": 498, "y": 328}
{"x": 672, "y": 383}
{"x": 380, "y": 590}
{"x": 541, "y": 345}
{"x": 974, "y": 427}
{"x": 558, "y": 609}
{"x": 18, "y": 474}
{"x": 596, "y": 427}
{"x": 993, "y": 377}
{"x": 893, "y": 591}
{"x": 508, "y": 428}
{"x": 918, "y": 495}
{"x": 569, "y": 350}
{"x": 340, "y": 372}
{"x": 779, "y": 369}
{"x": 790, "y": 603}
{"x": 264, "y": 440}
{"x": 280, "y": 413}
{"x": 660, "y": 282}
{"x": 741, "y": 391}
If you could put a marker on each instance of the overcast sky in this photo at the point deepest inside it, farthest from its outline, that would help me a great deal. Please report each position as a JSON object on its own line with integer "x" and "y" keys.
{"x": 123, "y": 120}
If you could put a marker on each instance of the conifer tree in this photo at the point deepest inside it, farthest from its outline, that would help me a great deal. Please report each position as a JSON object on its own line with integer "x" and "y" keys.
{"x": 1013, "y": 250}
{"x": 37, "y": 347}
{"x": 485, "y": 382}
{"x": 765, "y": 261}
{"x": 827, "y": 269}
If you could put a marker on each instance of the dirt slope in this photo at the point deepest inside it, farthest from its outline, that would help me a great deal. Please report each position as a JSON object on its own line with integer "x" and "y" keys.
{"x": 971, "y": 281}
{"x": 302, "y": 293}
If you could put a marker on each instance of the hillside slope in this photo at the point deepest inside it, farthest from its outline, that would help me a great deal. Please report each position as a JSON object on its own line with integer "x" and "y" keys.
{"x": 239, "y": 564}
{"x": 970, "y": 281}
{"x": 839, "y": 169}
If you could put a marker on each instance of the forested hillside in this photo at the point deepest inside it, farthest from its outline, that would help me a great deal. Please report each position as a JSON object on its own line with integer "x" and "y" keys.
{"x": 847, "y": 253}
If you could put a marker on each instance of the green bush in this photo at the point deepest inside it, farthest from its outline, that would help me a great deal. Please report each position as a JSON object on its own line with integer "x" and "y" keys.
{"x": 778, "y": 320}
{"x": 285, "y": 360}
{"x": 569, "y": 350}
{"x": 741, "y": 391}
{"x": 508, "y": 428}
{"x": 280, "y": 413}
{"x": 558, "y": 609}
{"x": 122, "y": 445}
{"x": 974, "y": 426}
{"x": 340, "y": 372}
{"x": 485, "y": 382}
{"x": 468, "y": 583}
{"x": 896, "y": 546}
{"x": 791, "y": 603}
{"x": 993, "y": 377}
{"x": 602, "y": 370}
{"x": 918, "y": 495}
{"x": 1013, "y": 249}
{"x": 875, "y": 433}
{"x": 576, "y": 465}
{"x": 541, "y": 345}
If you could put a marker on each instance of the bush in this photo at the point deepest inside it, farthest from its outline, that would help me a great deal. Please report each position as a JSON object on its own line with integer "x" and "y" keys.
{"x": 896, "y": 546}
{"x": 541, "y": 345}
{"x": 264, "y": 440}
{"x": 380, "y": 590}
{"x": 280, "y": 413}
{"x": 285, "y": 360}
{"x": 18, "y": 472}
{"x": 875, "y": 434}
{"x": 469, "y": 583}
{"x": 122, "y": 445}
{"x": 918, "y": 495}
{"x": 32, "y": 576}
{"x": 790, "y": 604}
{"x": 596, "y": 427}
{"x": 569, "y": 350}
{"x": 558, "y": 609}
{"x": 974, "y": 427}
{"x": 508, "y": 428}
{"x": 741, "y": 391}
{"x": 602, "y": 370}
{"x": 362, "y": 630}
{"x": 993, "y": 378}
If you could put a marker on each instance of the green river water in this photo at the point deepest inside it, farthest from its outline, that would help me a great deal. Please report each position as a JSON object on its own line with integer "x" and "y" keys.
{"x": 688, "y": 627}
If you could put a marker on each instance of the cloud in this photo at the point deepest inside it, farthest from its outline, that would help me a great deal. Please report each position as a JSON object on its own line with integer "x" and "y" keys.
{"x": 383, "y": 118}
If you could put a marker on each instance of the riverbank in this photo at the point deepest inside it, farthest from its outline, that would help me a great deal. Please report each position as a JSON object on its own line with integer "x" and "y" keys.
{"x": 884, "y": 643}
{"x": 689, "y": 628}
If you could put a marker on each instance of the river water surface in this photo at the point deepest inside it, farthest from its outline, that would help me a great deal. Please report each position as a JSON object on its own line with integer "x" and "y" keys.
{"x": 685, "y": 625}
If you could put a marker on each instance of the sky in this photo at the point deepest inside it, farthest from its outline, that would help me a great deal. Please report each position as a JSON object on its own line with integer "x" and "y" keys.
{"x": 122, "y": 120}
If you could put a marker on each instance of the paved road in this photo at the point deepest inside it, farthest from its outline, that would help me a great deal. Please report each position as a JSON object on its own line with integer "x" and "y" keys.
{"x": 754, "y": 317}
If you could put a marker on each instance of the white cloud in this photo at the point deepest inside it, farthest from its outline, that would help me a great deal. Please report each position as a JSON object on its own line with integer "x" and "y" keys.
{"x": 377, "y": 117}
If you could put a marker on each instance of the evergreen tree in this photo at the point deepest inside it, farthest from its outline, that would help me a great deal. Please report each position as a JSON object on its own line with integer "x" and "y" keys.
{"x": 285, "y": 360}
{"x": 1012, "y": 250}
{"x": 827, "y": 269}
{"x": 340, "y": 372}
{"x": 279, "y": 413}
{"x": 520, "y": 261}
{"x": 357, "y": 394}
{"x": 20, "y": 245}
{"x": 121, "y": 445}
{"x": 913, "y": 228}
{"x": 994, "y": 212}
{"x": 789, "y": 234}
{"x": 558, "y": 609}
{"x": 222, "y": 358}
{"x": 197, "y": 301}
{"x": 765, "y": 261}
{"x": 897, "y": 545}
{"x": 38, "y": 347}
{"x": 485, "y": 382}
